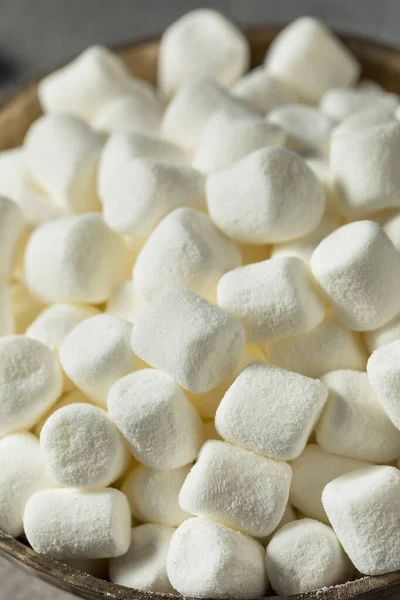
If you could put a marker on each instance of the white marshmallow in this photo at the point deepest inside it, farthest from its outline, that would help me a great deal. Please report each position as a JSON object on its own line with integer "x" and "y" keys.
{"x": 153, "y": 494}
{"x": 73, "y": 396}
{"x": 339, "y": 103}
{"x": 65, "y": 523}
{"x": 304, "y": 247}
{"x": 30, "y": 382}
{"x": 130, "y": 114}
{"x": 206, "y": 559}
{"x": 194, "y": 341}
{"x": 22, "y": 473}
{"x": 242, "y": 502}
{"x": 392, "y": 229}
{"x": 261, "y": 91}
{"x": 273, "y": 299}
{"x": 304, "y": 125}
{"x": 364, "y": 119}
{"x": 62, "y": 153}
{"x": 312, "y": 471}
{"x": 307, "y": 57}
{"x": 328, "y": 347}
{"x": 354, "y": 423}
{"x": 390, "y": 332}
{"x": 384, "y": 377}
{"x": 74, "y": 259}
{"x": 306, "y": 555}
{"x": 363, "y": 509}
{"x": 288, "y": 516}
{"x": 185, "y": 250}
{"x": 144, "y": 566}
{"x": 161, "y": 426}
{"x": 6, "y": 312}
{"x": 358, "y": 268}
{"x": 270, "y": 411}
{"x": 96, "y": 353}
{"x": 124, "y": 302}
{"x": 202, "y": 41}
{"x": 25, "y": 307}
{"x": 11, "y": 226}
{"x": 269, "y": 196}
{"x": 227, "y": 138}
{"x": 142, "y": 192}
{"x": 82, "y": 448}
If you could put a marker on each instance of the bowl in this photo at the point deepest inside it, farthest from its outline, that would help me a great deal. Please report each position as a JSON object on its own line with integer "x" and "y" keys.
{"x": 379, "y": 63}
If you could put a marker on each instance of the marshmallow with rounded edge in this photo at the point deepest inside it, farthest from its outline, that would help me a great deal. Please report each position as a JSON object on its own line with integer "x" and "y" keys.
{"x": 96, "y": 353}
{"x": 69, "y": 523}
{"x": 154, "y": 415}
{"x": 384, "y": 377}
{"x": 209, "y": 560}
{"x": 6, "y": 312}
{"x": 62, "y": 153}
{"x": 354, "y": 423}
{"x": 310, "y": 59}
{"x": 11, "y": 226}
{"x": 194, "y": 341}
{"x": 273, "y": 299}
{"x": 30, "y": 382}
{"x": 22, "y": 474}
{"x": 269, "y": 196}
{"x": 363, "y": 509}
{"x": 312, "y": 471}
{"x": 73, "y": 396}
{"x": 261, "y": 91}
{"x": 201, "y": 41}
{"x": 305, "y": 126}
{"x": 74, "y": 259}
{"x": 339, "y": 103}
{"x": 185, "y": 250}
{"x": 288, "y": 516}
{"x": 129, "y": 114}
{"x": 358, "y": 268}
{"x": 242, "y": 503}
{"x": 144, "y": 566}
{"x": 306, "y": 555}
{"x": 364, "y": 119}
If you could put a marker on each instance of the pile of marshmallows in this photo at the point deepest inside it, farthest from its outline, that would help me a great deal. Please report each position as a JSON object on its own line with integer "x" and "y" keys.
{"x": 226, "y": 246}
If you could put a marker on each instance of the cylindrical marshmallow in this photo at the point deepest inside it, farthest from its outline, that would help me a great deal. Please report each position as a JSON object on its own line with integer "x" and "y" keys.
{"x": 135, "y": 113}
{"x": 384, "y": 377}
{"x": 261, "y": 91}
{"x": 305, "y": 126}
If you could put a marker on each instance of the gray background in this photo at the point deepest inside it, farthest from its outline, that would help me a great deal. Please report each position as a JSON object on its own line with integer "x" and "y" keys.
{"x": 37, "y": 34}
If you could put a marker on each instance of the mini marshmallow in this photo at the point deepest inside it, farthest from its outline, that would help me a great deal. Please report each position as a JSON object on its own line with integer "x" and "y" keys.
{"x": 185, "y": 250}
{"x": 261, "y": 91}
{"x": 310, "y": 59}
{"x": 227, "y": 138}
{"x": 82, "y": 448}
{"x": 153, "y": 494}
{"x": 142, "y": 192}
{"x": 130, "y": 114}
{"x": 6, "y": 312}
{"x": 68, "y": 523}
{"x": 208, "y": 560}
{"x": 328, "y": 347}
{"x": 303, "y": 248}
{"x": 358, "y": 268}
{"x": 201, "y": 41}
{"x": 25, "y": 307}
{"x": 270, "y": 411}
{"x": 390, "y": 332}
{"x": 96, "y": 353}
{"x": 288, "y": 516}
{"x": 306, "y": 555}
{"x": 254, "y": 491}
{"x": 354, "y": 423}
{"x": 144, "y": 566}
{"x": 384, "y": 377}
{"x": 22, "y": 474}
{"x": 74, "y": 259}
{"x": 272, "y": 299}
{"x": 30, "y": 382}
{"x": 160, "y": 424}
{"x": 62, "y": 153}
{"x": 304, "y": 125}
{"x": 364, "y": 119}
{"x": 73, "y": 396}
{"x": 312, "y": 471}
{"x": 11, "y": 226}
{"x": 363, "y": 509}
{"x": 194, "y": 341}
{"x": 339, "y": 103}
{"x": 269, "y": 196}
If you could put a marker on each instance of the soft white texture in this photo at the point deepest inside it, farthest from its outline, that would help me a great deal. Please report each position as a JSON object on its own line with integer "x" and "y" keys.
{"x": 73, "y": 396}
{"x": 153, "y": 413}
{"x": 185, "y": 250}
{"x": 304, "y": 247}
{"x": 261, "y": 91}
{"x": 82, "y": 448}
{"x": 339, "y": 103}
{"x": 201, "y": 41}
{"x": 354, "y": 423}
{"x": 384, "y": 376}
{"x": 11, "y": 226}
{"x": 96, "y": 353}
{"x": 206, "y": 559}
{"x": 392, "y": 229}
{"x": 306, "y": 555}
{"x": 25, "y": 307}
{"x": 135, "y": 113}
{"x": 6, "y": 311}
{"x": 62, "y": 153}
{"x": 238, "y": 488}
{"x": 144, "y": 566}
{"x": 269, "y": 196}
{"x": 68, "y": 523}
{"x": 309, "y": 58}
{"x": 273, "y": 299}
{"x": 390, "y": 332}
{"x": 358, "y": 268}
{"x": 305, "y": 126}
{"x": 22, "y": 473}
{"x": 124, "y": 302}
{"x": 74, "y": 259}
{"x": 363, "y": 509}
{"x": 194, "y": 341}
{"x": 288, "y": 516}
{"x": 30, "y": 382}
{"x": 321, "y": 168}
{"x": 364, "y": 119}
{"x": 270, "y": 411}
